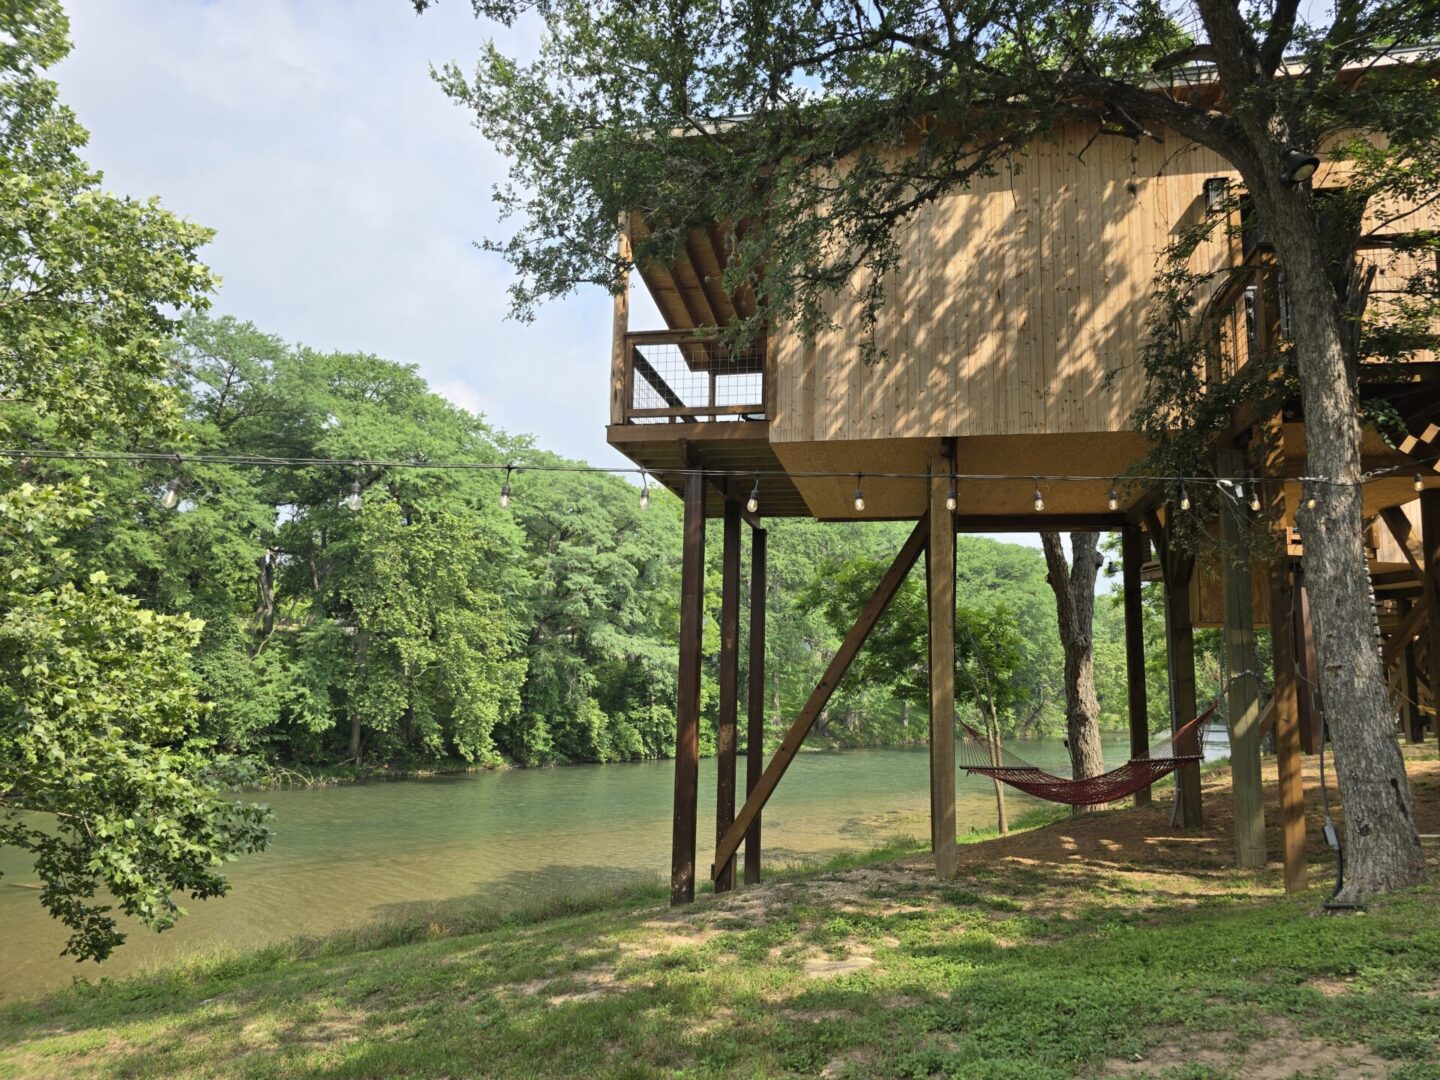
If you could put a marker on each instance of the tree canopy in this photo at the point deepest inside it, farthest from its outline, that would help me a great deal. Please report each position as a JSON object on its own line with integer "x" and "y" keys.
{"x": 106, "y": 775}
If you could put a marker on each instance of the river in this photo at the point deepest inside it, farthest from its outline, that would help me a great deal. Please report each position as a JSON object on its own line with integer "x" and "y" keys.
{"x": 348, "y": 854}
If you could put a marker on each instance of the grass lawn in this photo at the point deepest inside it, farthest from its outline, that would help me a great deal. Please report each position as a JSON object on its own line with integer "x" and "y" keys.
{"x": 1106, "y": 944}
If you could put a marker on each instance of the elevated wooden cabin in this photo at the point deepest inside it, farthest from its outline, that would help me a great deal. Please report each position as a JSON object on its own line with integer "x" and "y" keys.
{"x": 1011, "y": 356}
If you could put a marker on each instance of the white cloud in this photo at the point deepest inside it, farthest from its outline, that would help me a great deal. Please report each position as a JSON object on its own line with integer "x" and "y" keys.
{"x": 346, "y": 190}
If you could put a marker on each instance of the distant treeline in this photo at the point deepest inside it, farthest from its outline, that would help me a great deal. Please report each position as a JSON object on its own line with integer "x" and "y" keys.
{"x": 430, "y": 624}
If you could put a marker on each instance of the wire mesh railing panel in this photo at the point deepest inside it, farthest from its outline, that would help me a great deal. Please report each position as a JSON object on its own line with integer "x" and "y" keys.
{"x": 682, "y": 377}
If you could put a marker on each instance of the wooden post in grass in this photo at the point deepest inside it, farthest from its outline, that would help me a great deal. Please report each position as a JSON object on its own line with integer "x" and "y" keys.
{"x": 755, "y": 728}
{"x": 1412, "y": 720}
{"x": 1287, "y": 723}
{"x": 1430, "y": 544}
{"x": 1132, "y": 553}
{"x": 1284, "y": 662}
{"x": 729, "y": 684}
{"x": 687, "y": 708}
{"x": 1306, "y": 667}
{"x": 1176, "y": 568}
{"x": 1242, "y": 692}
{"x": 940, "y": 580}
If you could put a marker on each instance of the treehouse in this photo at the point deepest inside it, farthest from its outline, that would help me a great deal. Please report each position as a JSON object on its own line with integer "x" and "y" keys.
{"x": 1008, "y": 372}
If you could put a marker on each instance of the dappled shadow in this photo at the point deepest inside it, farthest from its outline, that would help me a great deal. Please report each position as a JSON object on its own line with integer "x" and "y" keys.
{"x": 1011, "y": 301}
{"x": 1031, "y": 952}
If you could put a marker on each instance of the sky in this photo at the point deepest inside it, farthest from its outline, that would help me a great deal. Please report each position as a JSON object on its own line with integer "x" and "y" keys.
{"x": 347, "y": 192}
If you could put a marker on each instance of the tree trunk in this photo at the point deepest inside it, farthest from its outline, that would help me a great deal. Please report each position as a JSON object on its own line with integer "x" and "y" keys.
{"x": 265, "y": 588}
{"x": 1074, "y": 588}
{"x": 1382, "y": 844}
{"x": 992, "y": 736}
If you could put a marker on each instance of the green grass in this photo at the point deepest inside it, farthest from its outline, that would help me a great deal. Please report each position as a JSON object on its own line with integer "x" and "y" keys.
{"x": 1014, "y": 970}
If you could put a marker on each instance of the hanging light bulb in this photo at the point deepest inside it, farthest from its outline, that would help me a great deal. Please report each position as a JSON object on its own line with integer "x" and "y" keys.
{"x": 1255, "y": 495}
{"x": 1418, "y": 483}
{"x": 170, "y": 497}
{"x": 753, "y": 503}
{"x": 353, "y": 500}
{"x": 505, "y": 489}
{"x": 951, "y": 501}
{"x": 644, "y": 490}
{"x": 1309, "y": 497}
{"x": 1039, "y": 499}
{"x": 1114, "y": 500}
{"x": 1184, "y": 497}
{"x": 859, "y": 496}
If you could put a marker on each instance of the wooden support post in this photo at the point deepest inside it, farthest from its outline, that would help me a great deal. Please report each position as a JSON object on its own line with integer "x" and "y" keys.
{"x": 940, "y": 579}
{"x": 1176, "y": 570}
{"x": 1242, "y": 693}
{"x": 1132, "y": 554}
{"x": 1306, "y": 667}
{"x": 755, "y": 729}
{"x": 1412, "y": 624}
{"x": 620, "y": 387}
{"x": 1288, "y": 759}
{"x": 687, "y": 708}
{"x": 1284, "y": 602}
{"x": 1412, "y": 720}
{"x": 1430, "y": 544}
{"x": 834, "y": 672}
{"x": 729, "y": 685}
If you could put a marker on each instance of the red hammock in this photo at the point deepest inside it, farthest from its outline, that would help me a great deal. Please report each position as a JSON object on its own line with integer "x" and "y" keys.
{"x": 979, "y": 757}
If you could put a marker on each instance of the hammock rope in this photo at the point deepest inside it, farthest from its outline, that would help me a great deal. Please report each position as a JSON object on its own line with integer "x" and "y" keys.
{"x": 978, "y": 756}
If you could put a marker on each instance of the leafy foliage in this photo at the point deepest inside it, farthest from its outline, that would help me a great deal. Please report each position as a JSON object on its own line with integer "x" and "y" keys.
{"x": 103, "y": 777}
{"x": 106, "y": 775}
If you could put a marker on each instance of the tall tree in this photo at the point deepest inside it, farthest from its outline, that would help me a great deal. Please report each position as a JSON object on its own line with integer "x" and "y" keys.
{"x": 1074, "y": 586}
{"x": 630, "y": 108}
{"x": 106, "y": 776}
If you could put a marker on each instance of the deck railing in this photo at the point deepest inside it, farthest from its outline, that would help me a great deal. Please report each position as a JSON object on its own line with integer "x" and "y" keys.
{"x": 1249, "y": 311}
{"x": 673, "y": 376}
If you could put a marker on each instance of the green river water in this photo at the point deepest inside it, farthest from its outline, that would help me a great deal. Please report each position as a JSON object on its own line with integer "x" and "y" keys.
{"x": 345, "y": 855}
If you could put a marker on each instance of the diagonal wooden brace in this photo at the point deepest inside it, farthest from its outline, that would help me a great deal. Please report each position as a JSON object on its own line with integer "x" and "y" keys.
{"x": 839, "y": 664}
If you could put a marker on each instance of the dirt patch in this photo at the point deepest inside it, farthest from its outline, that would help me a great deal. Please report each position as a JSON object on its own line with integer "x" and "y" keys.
{"x": 855, "y": 1059}
{"x": 668, "y": 938}
{"x": 812, "y": 1016}
{"x": 558, "y": 990}
{"x": 816, "y": 967}
{"x": 1279, "y": 1056}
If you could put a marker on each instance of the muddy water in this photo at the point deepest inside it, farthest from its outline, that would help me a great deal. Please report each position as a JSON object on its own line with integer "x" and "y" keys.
{"x": 343, "y": 855}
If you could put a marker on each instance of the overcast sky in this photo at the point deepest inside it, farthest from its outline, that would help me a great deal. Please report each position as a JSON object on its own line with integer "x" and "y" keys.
{"x": 346, "y": 190}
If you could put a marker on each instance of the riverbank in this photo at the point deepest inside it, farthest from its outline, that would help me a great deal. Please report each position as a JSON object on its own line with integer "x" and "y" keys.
{"x": 280, "y": 777}
{"x": 1107, "y": 944}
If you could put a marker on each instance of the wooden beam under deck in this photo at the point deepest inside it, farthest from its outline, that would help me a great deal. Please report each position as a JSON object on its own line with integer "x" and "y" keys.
{"x": 729, "y": 685}
{"x": 1132, "y": 555}
{"x": 940, "y": 606}
{"x": 740, "y": 447}
{"x": 687, "y": 710}
{"x": 755, "y": 720}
